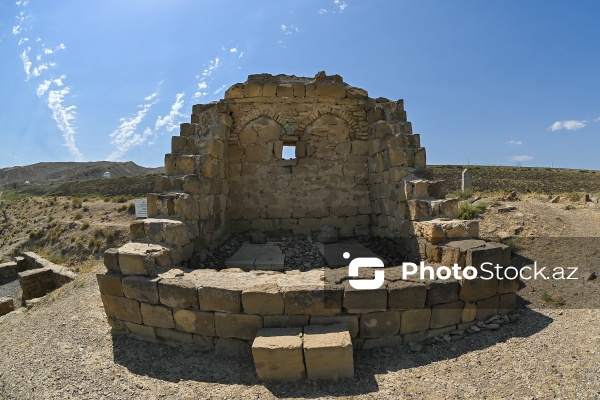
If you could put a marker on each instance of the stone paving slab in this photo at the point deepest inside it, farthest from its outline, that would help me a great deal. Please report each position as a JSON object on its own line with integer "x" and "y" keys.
{"x": 250, "y": 256}
{"x": 334, "y": 252}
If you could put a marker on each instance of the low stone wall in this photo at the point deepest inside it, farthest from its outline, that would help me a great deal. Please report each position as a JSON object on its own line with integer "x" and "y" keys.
{"x": 225, "y": 309}
{"x": 42, "y": 276}
{"x": 6, "y": 305}
{"x": 10, "y": 270}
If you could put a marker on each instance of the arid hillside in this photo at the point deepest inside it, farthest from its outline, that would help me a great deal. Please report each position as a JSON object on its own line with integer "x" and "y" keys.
{"x": 46, "y": 173}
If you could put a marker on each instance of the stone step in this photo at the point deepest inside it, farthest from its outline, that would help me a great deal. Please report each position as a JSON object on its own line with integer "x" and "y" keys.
{"x": 315, "y": 351}
{"x": 440, "y": 229}
{"x": 432, "y": 208}
{"x": 466, "y": 252}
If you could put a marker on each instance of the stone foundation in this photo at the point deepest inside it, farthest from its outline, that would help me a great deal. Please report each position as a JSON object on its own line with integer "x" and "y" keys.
{"x": 202, "y": 306}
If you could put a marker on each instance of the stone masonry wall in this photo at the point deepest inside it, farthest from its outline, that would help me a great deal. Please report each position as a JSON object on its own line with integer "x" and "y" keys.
{"x": 42, "y": 276}
{"x": 225, "y": 310}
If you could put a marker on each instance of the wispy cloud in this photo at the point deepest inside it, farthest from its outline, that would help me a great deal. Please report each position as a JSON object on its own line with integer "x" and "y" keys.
{"x": 514, "y": 142}
{"x": 170, "y": 120}
{"x": 571, "y": 125}
{"x": 341, "y": 5}
{"x": 289, "y": 30}
{"x": 125, "y": 136}
{"x": 202, "y": 85}
{"x": 219, "y": 90}
{"x": 520, "y": 158}
{"x": 64, "y": 116}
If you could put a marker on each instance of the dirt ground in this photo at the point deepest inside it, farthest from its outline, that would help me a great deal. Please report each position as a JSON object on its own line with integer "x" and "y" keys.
{"x": 62, "y": 348}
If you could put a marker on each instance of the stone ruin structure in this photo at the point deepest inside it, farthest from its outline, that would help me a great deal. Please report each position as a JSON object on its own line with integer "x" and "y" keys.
{"x": 357, "y": 168}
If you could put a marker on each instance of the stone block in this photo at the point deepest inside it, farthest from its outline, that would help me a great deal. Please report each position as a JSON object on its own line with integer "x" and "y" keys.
{"x": 263, "y": 300}
{"x": 388, "y": 341}
{"x": 507, "y": 303}
{"x": 111, "y": 260}
{"x": 117, "y": 325}
{"x": 141, "y": 330}
{"x": 239, "y": 326}
{"x": 442, "y": 291}
{"x": 235, "y": 92}
{"x": 351, "y": 322}
{"x": 415, "y": 337}
{"x": 198, "y": 322}
{"x": 415, "y": 320}
{"x": 328, "y": 352}
{"x": 379, "y": 324}
{"x": 404, "y": 295}
{"x": 443, "y": 315}
{"x": 365, "y": 300}
{"x": 285, "y": 321}
{"x": 177, "y": 293}
{"x": 220, "y": 299}
{"x": 6, "y": 305}
{"x": 141, "y": 288}
{"x": 172, "y": 335}
{"x": 469, "y": 312}
{"x": 269, "y": 89}
{"x": 309, "y": 300}
{"x": 285, "y": 90}
{"x": 233, "y": 347}
{"x": 204, "y": 342}
{"x": 253, "y": 90}
{"x": 508, "y": 286}
{"x": 487, "y": 308}
{"x": 157, "y": 316}
{"x": 472, "y": 290}
{"x": 110, "y": 284}
{"x": 330, "y": 89}
{"x": 490, "y": 253}
{"x": 277, "y": 354}
{"x": 125, "y": 309}
{"x": 142, "y": 258}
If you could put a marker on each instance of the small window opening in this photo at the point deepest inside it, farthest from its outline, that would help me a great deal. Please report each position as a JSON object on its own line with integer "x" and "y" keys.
{"x": 288, "y": 151}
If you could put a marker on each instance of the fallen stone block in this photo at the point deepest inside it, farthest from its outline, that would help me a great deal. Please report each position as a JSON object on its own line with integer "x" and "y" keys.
{"x": 278, "y": 354}
{"x": 328, "y": 352}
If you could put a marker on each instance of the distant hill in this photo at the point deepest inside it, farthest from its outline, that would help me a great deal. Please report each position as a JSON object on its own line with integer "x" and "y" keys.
{"x": 521, "y": 179}
{"x": 47, "y": 173}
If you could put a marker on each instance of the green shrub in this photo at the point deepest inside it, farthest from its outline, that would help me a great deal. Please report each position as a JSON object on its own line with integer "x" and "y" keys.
{"x": 78, "y": 216}
{"x": 467, "y": 210}
{"x": 76, "y": 202}
{"x": 85, "y": 225}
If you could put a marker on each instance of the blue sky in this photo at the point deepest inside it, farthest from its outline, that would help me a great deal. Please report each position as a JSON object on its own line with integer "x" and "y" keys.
{"x": 484, "y": 82}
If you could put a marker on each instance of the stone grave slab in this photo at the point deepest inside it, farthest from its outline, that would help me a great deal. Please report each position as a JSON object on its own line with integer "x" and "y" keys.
{"x": 250, "y": 256}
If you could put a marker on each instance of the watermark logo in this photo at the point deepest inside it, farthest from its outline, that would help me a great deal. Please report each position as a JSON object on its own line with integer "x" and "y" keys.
{"x": 365, "y": 262}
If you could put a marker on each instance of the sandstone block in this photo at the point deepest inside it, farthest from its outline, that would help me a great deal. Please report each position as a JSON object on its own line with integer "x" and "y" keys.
{"x": 365, "y": 300}
{"x": 220, "y": 299}
{"x": 204, "y": 342}
{"x": 278, "y": 354}
{"x": 239, "y": 326}
{"x": 472, "y": 290}
{"x": 469, "y": 312}
{"x": 405, "y": 295}
{"x": 313, "y": 300}
{"x": 6, "y": 305}
{"x": 198, "y": 322}
{"x": 263, "y": 300}
{"x": 269, "y": 89}
{"x": 141, "y": 330}
{"x": 253, "y": 90}
{"x": 415, "y": 320}
{"x": 110, "y": 284}
{"x": 330, "y": 89}
{"x": 141, "y": 288}
{"x": 388, "y": 341}
{"x": 174, "y": 336}
{"x": 508, "y": 286}
{"x": 157, "y": 316}
{"x": 490, "y": 253}
{"x": 235, "y": 92}
{"x": 508, "y": 303}
{"x": 285, "y": 321}
{"x": 442, "y": 291}
{"x": 487, "y": 308}
{"x": 142, "y": 258}
{"x": 379, "y": 324}
{"x": 443, "y": 315}
{"x": 117, "y": 325}
{"x": 328, "y": 352}
{"x": 125, "y": 309}
{"x": 178, "y": 293}
{"x": 111, "y": 260}
{"x": 351, "y": 322}
{"x": 285, "y": 90}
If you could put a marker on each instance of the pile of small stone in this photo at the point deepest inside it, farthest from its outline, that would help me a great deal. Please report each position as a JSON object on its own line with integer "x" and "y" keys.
{"x": 301, "y": 254}
{"x": 216, "y": 259}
